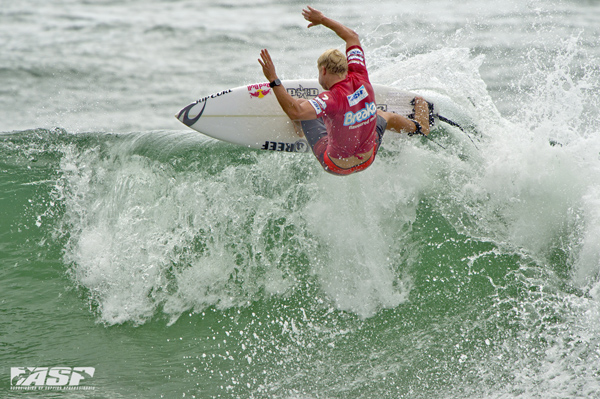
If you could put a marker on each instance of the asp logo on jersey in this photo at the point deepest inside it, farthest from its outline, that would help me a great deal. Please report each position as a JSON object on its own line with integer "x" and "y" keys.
{"x": 357, "y": 96}
{"x": 51, "y": 378}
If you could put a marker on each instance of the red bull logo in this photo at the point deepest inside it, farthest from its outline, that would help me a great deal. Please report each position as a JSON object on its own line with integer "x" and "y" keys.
{"x": 259, "y": 90}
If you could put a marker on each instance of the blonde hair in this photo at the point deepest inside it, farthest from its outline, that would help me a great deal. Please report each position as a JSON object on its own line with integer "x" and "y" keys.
{"x": 334, "y": 62}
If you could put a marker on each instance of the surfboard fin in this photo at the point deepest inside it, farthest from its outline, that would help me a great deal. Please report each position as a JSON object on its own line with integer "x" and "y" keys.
{"x": 452, "y": 123}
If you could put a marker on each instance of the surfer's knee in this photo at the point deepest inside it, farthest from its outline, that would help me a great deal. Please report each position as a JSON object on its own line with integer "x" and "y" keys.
{"x": 385, "y": 115}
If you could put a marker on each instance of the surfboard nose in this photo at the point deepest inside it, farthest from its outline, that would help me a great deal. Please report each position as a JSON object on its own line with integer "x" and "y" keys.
{"x": 184, "y": 115}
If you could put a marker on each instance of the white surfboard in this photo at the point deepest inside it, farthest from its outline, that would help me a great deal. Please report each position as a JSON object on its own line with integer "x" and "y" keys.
{"x": 251, "y": 116}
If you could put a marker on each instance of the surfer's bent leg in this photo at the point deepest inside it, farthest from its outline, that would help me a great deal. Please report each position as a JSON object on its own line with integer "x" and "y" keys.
{"x": 399, "y": 123}
{"x": 316, "y": 135}
{"x": 381, "y": 128}
{"x": 314, "y": 130}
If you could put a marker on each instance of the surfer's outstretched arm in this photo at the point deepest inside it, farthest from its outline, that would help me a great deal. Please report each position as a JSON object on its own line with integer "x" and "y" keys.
{"x": 295, "y": 109}
{"x": 316, "y": 17}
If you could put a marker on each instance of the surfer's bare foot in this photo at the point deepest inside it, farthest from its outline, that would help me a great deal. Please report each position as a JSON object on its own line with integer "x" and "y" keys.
{"x": 422, "y": 114}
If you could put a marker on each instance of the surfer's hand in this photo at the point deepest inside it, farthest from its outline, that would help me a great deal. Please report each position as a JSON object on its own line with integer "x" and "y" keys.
{"x": 298, "y": 128}
{"x": 267, "y": 65}
{"x": 315, "y": 17}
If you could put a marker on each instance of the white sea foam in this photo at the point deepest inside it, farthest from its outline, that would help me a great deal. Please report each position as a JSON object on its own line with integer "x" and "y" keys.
{"x": 146, "y": 237}
{"x": 143, "y": 236}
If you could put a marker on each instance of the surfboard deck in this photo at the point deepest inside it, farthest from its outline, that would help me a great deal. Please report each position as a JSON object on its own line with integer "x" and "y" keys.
{"x": 251, "y": 116}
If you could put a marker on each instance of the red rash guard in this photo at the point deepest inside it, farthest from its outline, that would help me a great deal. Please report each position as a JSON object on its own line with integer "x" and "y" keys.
{"x": 349, "y": 110}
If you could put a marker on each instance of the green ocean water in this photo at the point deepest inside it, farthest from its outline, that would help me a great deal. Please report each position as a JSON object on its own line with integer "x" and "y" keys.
{"x": 196, "y": 269}
{"x": 176, "y": 266}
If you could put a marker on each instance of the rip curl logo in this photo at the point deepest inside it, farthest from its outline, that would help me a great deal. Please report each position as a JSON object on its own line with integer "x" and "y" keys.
{"x": 51, "y": 378}
{"x": 219, "y": 94}
{"x": 184, "y": 114}
{"x": 259, "y": 90}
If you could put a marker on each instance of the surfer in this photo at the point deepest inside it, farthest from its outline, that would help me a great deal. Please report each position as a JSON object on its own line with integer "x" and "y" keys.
{"x": 342, "y": 124}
